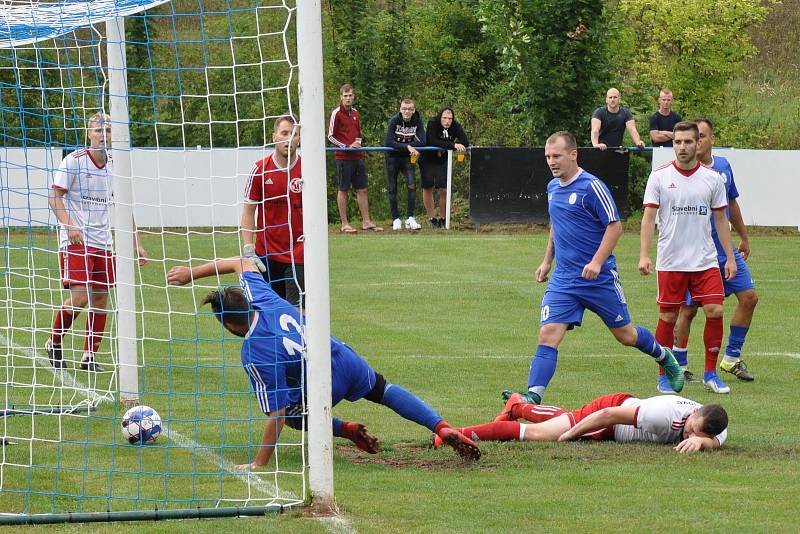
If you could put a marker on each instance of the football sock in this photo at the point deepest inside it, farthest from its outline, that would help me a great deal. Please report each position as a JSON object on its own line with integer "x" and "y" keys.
{"x": 712, "y": 337}
{"x": 543, "y": 367}
{"x": 682, "y": 355}
{"x": 61, "y": 323}
{"x": 95, "y": 327}
{"x": 409, "y": 406}
{"x": 665, "y": 335}
{"x": 646, "y": 343}
{"x": 412, "y": 202}
{"x": 497, "y": 431}
{"x": 535, "y": 413}
{"x": 735, "y": 342}
{"x": 338, "y": 427}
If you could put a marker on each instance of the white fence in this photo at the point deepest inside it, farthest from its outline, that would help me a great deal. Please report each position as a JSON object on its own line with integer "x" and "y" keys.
{"x": 204, "y": 188}
{"x": 768, "y": 182}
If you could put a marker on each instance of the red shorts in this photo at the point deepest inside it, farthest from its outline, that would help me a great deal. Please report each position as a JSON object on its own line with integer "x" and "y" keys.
{"x": 606, "y": 401}
{"x": 704, "y": 286}
{"x": 87, "y": 266}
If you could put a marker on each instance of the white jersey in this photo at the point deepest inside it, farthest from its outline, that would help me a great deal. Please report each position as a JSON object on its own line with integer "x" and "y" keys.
{"x": 87, "y": 198}
{"x": 659, "y": 419}
{"x": 685, "y": 200}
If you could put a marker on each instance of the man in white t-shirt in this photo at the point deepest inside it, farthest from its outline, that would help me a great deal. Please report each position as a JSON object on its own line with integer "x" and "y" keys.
{"x": 684, "y": 195}
{"x": 621, "y": 417}
{"x": 79, "y": 199}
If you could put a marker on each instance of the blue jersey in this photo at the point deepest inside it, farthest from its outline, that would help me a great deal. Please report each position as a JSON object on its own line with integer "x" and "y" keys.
{"x": 579, "y": 213}
{"x": 722, "y": 166}
{"x": 274, "y": 349}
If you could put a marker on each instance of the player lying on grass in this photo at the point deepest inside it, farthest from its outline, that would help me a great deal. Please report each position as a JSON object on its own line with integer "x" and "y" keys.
{"x": 616, "y": 417}
{"x": 272, "y": 351}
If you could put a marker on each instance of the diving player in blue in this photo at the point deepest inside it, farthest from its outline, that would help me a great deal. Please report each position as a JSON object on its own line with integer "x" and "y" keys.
{"x": 584, "y": 228}
{"x": 273, "y": 352}
{"x": 742, "y": 284}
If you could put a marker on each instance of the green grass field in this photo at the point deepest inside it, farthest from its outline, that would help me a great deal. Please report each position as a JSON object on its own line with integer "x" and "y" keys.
{"x": 453, "y": 317}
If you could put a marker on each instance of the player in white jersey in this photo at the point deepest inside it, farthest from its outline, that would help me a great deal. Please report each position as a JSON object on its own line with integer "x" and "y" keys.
{"x": 683, "y": 195}
{"x": 621, "y": 417}
{"x": 79, "y": 199}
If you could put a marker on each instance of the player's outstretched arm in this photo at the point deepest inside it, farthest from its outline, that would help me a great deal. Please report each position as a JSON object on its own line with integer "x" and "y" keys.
{"x": 737, "y": 221}
{"x": 180, "y": 276}
{"x": 272, "y": 431}
{"x": 646, "y": 237}
{"x": 618, "y": 415}
{"x": 724, "y": 233}
{"x": 697, "y": 443}
{"x": 547, "y": 261}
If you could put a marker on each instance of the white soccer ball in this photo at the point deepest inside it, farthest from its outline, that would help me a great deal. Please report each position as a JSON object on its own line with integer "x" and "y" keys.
{"x": 141, "y": 425}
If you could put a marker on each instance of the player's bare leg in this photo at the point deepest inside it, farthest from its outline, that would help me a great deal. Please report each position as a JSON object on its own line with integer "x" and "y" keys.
{"x": 442, "y": 206}
{"x": 680, "y": 345}
{"x": 740, "y": 324}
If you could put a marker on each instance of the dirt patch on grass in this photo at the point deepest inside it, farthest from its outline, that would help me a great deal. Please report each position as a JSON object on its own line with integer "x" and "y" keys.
{"x": 405, "y": 455}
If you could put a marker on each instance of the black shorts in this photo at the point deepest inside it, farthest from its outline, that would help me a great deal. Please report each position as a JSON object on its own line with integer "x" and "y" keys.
{"x": 287, "y": 281}
{"x": 351, "y": 171}
{"x": 434, "y": 175}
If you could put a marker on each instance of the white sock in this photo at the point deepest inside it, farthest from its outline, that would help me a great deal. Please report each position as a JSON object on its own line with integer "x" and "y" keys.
{"x": 730, "y": 359}
{"x": 522, "y": 432}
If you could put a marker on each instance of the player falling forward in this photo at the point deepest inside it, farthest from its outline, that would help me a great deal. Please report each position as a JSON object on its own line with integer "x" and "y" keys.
{"x": 272, "y": 350}
{"x": 741, "y": 285}
{"x": 584, "y": 229}
{"x": 615, "y": 417}
{"x": 79, "y": 199}
{"x": 684, "y": 194}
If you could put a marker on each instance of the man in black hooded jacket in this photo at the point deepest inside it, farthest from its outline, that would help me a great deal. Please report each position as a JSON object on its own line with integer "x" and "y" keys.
{"x": 445, "y": 132}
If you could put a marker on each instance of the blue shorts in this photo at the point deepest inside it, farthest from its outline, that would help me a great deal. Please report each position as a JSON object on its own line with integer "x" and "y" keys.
{"x": 741, "y": 282}
{"x": 567, "y": 304}
{"x": 351, "y": 376}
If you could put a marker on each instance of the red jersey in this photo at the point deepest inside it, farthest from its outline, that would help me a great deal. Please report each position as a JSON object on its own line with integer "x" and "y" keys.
{"x": 343, "y": 130}
{"x": 278, "y": 194}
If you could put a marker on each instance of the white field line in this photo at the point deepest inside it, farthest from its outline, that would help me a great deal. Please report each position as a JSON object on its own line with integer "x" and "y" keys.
{"x": 335, "y": 525}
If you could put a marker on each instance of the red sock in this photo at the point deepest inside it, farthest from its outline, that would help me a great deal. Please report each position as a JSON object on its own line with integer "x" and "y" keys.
{"x": 497, "y": 431}
{"x": 665, "y": 335}
{"x": 440, "y": 425}
{"x": 61, "y": 323}
{"x": 95, "y": 327}
{"x": 534, "y": 413}
{"x": 712, "y": 337}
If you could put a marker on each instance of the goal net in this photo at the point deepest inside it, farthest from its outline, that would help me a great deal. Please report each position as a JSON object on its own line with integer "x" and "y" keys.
{"x": 202, "y": 87}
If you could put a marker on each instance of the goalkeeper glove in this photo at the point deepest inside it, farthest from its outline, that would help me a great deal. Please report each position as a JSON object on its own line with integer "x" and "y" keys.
{"x": 250, "y": 254}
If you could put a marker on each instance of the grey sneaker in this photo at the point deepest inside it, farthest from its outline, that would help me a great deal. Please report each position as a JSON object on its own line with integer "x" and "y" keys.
{"x": 738, "y": 369}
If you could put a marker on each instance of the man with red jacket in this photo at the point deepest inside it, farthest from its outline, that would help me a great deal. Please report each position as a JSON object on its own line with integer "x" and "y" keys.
{"x": 344, "y": 130}
{"x": 272, "y": 216}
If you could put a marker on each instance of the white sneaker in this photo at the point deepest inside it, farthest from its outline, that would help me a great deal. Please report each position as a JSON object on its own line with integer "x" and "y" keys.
{"x": 412, "y": 224}
{"x": 397, "y": 225}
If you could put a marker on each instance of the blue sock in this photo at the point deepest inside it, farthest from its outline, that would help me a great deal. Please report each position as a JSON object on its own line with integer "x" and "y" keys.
{"x": 682, "y": 355}
{"x": 646, "y": 343}
{"x": 409, "y": 406}
{"x": 337, "y": 427}
{"x": 736, "y": 340}
{"x": 543, "y": 367}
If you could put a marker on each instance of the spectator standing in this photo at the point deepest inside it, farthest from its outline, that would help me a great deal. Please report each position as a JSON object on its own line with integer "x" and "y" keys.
{"x": 344, "y": 130}
{"x": 446, "y": 133}
{"x": 610, "y": 122}
{"x": 664, "y": 120}
{"x": 404, "y": 134}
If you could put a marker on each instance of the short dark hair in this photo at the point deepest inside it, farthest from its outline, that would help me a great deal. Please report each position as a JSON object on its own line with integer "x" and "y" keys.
{"x": 230, "y": 306}
{"x": 569, "y": 139}
{"x": 283, "y": 118}
{"x": 715, "y": 419}
{"x": 408, "y": 101}
{"x": 687, "y": 126}
{"x": 705, "y": 120}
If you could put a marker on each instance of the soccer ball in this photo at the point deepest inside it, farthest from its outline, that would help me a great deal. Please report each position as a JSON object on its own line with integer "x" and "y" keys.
{"x": 141, "y": 425}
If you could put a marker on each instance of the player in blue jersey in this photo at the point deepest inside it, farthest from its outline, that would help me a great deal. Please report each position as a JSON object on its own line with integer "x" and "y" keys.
{"x": 742, "y": 285}
{"x": 584, "y": 228}
{"x": 272, "y": 353}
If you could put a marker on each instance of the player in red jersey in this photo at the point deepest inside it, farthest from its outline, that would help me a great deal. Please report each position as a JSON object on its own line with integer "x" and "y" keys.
{"x": 619, "y": 417}
{"x": 79, "y": 199}
{"x": 272, "y": 218}
{"x": 683, "y": 195}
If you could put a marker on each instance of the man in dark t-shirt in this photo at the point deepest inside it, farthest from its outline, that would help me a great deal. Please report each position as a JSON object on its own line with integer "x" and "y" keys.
{"x": 610, "y": 122}
{"x": 664, "y": 120}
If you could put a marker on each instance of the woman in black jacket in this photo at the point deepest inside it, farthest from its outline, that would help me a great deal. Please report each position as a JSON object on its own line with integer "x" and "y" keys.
{"x": 445, "y": 132}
